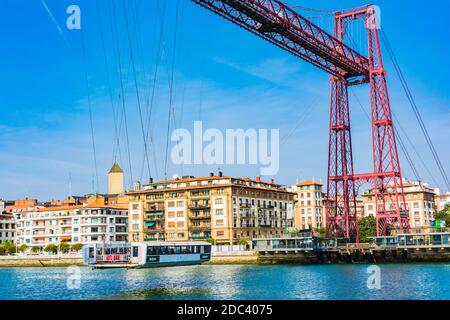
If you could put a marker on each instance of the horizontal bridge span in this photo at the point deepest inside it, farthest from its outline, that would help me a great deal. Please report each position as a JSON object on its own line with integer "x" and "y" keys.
{"x": 275, "y": 22}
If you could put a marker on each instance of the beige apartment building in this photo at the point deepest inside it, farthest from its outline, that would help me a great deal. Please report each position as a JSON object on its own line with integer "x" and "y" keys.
{"x": 309, "y": 207}
{"x": 441, "y": 201}
{"x": 72, "y": 224}
{"x": 420, "y": 202}
{"x": 224, "y": 208}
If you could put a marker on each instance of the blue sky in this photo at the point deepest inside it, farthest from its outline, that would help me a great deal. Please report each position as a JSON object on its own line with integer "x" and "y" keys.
{"x": 223, "y": 76}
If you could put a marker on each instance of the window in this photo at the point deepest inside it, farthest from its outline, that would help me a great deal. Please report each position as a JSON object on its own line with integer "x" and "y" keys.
{"x": 218, "y": 201}
{"x": 135, "y": 206}
{"x": 171, "y": 214}
{"x": 180, "y": 214}
{"x": 171, "y": 204}
{"x": 180, "y": 204}
{"x": 171, "y": 224}
{"x": 219, "y": 212}
{"x": 180, "y": 224}
{"x": 219, "y": 222}
{"x": 220, "y": 233}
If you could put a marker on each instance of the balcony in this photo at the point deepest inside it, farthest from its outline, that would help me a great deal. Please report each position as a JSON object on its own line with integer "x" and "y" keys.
{"x": 154, "y": 231}
{"x": 200, "y": 236}
{"x": 200, "y": 227}
{"x": 200, "y": 206}
{"x": 154, "y": 239}
{"x": 157, "y": 216}
{"x": 245, "y": 205}
{"x": 199, "y": 216}
{"x": 265, "y": 225}
{"x": 154, "y": 209}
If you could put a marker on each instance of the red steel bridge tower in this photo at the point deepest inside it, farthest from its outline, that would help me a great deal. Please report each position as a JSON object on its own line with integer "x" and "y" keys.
{"x": 275, "y": 22}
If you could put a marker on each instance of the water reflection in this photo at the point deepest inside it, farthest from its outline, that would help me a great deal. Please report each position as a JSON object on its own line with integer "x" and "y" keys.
{"x": 418, "y": 281}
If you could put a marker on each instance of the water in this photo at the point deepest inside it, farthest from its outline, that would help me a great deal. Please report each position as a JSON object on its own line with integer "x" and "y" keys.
{"x": 408, "y": 281}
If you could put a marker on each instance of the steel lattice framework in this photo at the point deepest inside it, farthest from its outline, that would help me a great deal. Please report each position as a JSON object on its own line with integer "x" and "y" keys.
{"x": 275, "y": 22}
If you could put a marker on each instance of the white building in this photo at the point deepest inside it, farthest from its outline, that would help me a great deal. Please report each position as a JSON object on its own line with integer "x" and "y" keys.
{"x": 72, "y": 224}
{"x": 420, "y": 202}
{"x": 7, "y": 228}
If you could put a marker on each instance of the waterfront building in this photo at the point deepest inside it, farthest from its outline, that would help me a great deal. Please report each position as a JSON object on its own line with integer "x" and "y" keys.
{"x": 72, "y": 224}
{"x": 309, "y": 206}
{"x": 22, "y": 205}
{"x": 7, "y": 224}
{"x": 420, "y": 202}
{"x": 442, "y": 200}
{"x": 224, "y": 208}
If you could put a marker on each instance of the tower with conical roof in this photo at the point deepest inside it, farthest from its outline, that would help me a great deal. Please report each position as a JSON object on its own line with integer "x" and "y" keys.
{"x": 115, "y": 180}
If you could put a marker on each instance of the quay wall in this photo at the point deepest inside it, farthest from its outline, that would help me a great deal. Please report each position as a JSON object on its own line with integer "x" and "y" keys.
{"x": 410, "y": 255}
{"x": 415, "y": 255}
{"x": 39, "y": 261}
{"x": 246, "y": 257}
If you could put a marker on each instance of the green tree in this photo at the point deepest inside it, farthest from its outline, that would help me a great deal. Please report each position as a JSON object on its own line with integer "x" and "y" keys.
{"x": 51, "y": 248}
{"x": 211, "y": 240}
{"x": 367, "y": 227}
{"x": 243, "y": 242}
{"x": 444, "y": 215}
{"x": 76, "y": 247}
{"x": 2, "y": 250}
{"x": 9, "y": 247}
{"x": 321, "y": 232}
{"x": 36, "y": 249}
{"x": 64, "y": 247}
{"x": 22, "y": 248}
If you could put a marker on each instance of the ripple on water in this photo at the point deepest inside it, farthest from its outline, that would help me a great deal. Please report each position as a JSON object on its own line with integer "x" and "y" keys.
{"x": 342, "y": 282}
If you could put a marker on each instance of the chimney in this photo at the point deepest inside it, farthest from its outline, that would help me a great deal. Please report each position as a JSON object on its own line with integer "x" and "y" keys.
{"x": 272, "y": 181}
{"x": 151, "y": 180}
{"x": 211, "y": 174}
{"x": 137, "y": 186}
{"x": 258, "y": 179}
{"x": 220, "y": 174}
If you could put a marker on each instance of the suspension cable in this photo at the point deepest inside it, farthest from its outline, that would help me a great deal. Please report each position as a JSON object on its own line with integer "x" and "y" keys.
{"x": 415, "y": 109}
{"x": 399, "y": 138}
{"x": 108, "y": 78}
{"x": 136, "y": 87}
{"x": 122, "y": 91}
{"x": 91, "y": 122}
{"x": 171, "y": 87}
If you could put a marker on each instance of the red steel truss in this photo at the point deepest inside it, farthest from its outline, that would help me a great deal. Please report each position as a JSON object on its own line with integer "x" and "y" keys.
{"x": 275, "y": 22}
{"x": 387, "y": 185}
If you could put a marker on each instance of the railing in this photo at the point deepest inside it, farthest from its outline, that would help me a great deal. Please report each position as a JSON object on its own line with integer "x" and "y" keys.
{"x": 200, "y": 216}
{"x": 358, "y": 246}
{"x": 113, "y": 258}
{"x": 199, "y": 237}
{"x": 200, "y": 207}
{"x": 201, "y": 227}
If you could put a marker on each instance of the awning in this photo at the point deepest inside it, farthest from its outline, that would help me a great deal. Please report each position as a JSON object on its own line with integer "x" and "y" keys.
{"x": 150, "y": 223}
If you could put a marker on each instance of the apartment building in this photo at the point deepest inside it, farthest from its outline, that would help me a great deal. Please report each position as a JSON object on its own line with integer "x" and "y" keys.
{"x": 7, "y": 225}
{"x": 420, "y": 202}
{"x": 441, "y": 201}
{"x": 224, "y": 208}
{"x": 309, "y": 205}
{"x": 72, "y": 224}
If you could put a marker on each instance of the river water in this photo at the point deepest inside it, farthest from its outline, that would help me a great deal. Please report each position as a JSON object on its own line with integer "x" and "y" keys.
{"x": 342, "y": 282}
